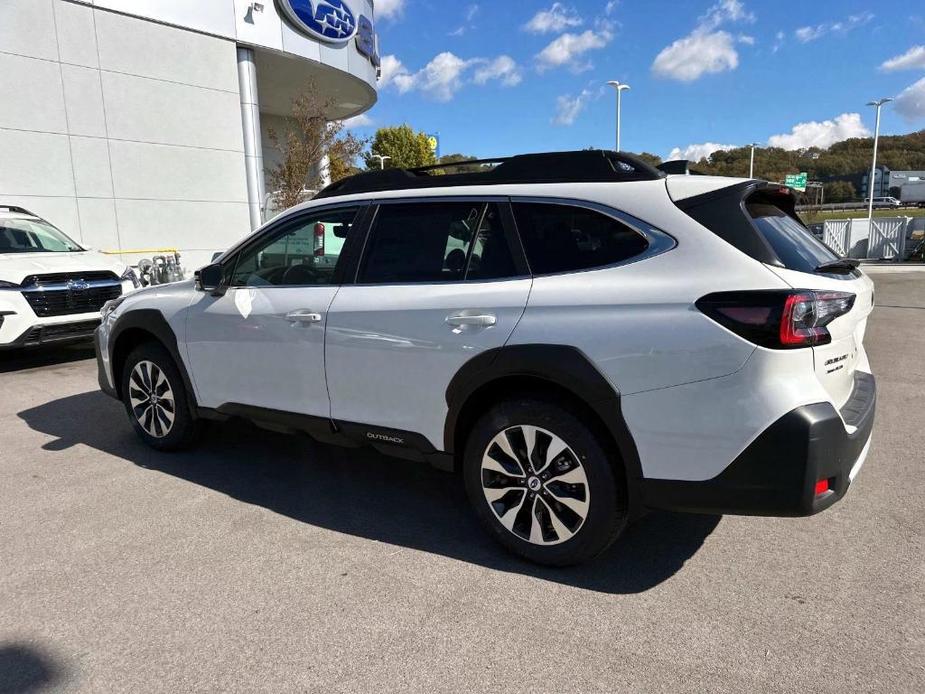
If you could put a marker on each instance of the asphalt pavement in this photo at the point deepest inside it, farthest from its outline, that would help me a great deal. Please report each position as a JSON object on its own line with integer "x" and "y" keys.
{"x": 261, "y": 562}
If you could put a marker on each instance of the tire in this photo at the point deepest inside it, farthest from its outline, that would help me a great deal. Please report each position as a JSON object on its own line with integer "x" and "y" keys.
{"x": 592, "y": 484}
{"x": 169, "y": 431}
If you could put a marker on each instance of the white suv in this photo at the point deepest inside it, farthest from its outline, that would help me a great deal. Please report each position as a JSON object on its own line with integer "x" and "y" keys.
{"x": 581, "y": 336}
{"x": 51, "y": 288}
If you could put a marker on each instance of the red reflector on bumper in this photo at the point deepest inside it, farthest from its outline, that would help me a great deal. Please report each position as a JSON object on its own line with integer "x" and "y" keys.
{"x": 822, "y": 486}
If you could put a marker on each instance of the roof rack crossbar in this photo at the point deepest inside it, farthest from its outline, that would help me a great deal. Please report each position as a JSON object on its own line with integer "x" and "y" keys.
{"x": 583, "y": 166}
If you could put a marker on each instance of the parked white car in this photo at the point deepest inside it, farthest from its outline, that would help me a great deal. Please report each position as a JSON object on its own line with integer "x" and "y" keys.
{"x": 51, "y": 288}
{"x": 582, "y": 336}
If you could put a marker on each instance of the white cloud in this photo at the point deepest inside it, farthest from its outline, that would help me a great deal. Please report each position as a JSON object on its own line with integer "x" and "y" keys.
{"x": 569, "y": 107}
{"x": 447, "y": 73}
{"x": 779, "y": 40}
{"x": 821, "y": 134}
{"x": 469, "y": 16}
{"x": 722, "y": 12}
{"x": 697, "y": 152}
{"x": 914, "y": 58}
{"x": 557, "y": 18}
{"x": 910, "y": 103}
{"x": 705, "y": 50}
{"x": 610, "y": 7}
{"x": 503, "y": 68}
{"x": 568, "y": 48}
{"x": 811, "y": 33}
{"x": 693, "y": 56}
{"x": 360, "y": 121}
{"x": 389, "y": 9}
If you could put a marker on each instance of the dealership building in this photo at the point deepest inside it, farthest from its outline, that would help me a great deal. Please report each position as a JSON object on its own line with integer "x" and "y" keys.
{"x": 138, "y": 125}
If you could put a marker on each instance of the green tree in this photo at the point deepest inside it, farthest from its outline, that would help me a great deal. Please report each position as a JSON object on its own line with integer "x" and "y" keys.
{"x": 649, "y": 158}
{"x": 839, "y": 191}
{"x": 459, "y": 165}
{"x": 406, "y": 148}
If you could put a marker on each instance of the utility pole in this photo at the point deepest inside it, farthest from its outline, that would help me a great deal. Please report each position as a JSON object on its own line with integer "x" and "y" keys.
{"x": 751, "y": 163}
{"x": 382, "y": 159}
{"x": 620, "y": 89}
{"x": 873, "y": 167}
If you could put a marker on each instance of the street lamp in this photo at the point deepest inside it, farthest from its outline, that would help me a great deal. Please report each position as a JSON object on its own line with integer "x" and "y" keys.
{"x": 381, "y": 159}
{"x": 873, "y": 167}
{"x": 751, "y": 163}
{"x": 620, "y": 88}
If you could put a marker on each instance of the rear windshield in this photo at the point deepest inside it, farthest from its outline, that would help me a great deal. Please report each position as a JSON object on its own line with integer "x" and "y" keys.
{"x": 793, "y": 243}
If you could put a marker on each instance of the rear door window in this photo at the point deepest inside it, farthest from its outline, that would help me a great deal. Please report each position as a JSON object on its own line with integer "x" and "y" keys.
{"x": 565, "y": 238}
{"x": 426, "y": 242}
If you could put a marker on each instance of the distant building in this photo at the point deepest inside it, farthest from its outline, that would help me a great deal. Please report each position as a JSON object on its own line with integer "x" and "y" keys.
{"x": 885, "y": 180}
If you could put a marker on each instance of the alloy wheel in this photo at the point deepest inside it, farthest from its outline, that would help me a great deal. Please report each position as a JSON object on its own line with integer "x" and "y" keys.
{"x": 151, "y": 399}
{"x": 535, "y": 485}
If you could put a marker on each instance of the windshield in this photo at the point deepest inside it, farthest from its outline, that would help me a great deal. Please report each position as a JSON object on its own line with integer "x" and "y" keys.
{"x": 33, "y": 236}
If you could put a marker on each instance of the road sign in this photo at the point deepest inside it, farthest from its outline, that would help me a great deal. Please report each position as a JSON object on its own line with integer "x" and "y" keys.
{"x": 796, "y": 181}
{"x": 434, "y": 142}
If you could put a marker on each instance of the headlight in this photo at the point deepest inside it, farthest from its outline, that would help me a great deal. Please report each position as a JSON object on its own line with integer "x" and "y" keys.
{"x": 111, "y": 305}
{"x": 130, "y": 276}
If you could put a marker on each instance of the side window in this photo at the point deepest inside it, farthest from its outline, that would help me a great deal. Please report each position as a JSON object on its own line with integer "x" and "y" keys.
{"x": 303, "y": 253}
{"x": 436, "y": 242}
{"x": 562, "y": 238}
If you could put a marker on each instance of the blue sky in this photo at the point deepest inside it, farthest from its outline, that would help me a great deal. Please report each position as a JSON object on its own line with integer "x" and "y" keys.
{"x": 497, "y": 78}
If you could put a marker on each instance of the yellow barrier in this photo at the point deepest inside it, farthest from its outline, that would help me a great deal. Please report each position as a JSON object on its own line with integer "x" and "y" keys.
{"x": 144, "y": 250}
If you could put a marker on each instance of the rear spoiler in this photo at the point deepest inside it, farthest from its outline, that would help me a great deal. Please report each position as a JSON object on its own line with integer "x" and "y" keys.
{"x": 678, "y": 166}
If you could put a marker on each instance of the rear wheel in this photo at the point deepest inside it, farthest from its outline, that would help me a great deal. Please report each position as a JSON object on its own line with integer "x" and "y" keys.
{"x": 156, "y": 400}
{"x": 542, "y": 483}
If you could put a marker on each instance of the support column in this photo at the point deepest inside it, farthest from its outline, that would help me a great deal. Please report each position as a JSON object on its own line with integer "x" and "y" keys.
{"x": 250, "y": 122}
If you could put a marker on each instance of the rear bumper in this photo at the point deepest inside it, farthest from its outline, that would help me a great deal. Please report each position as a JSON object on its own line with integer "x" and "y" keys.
{"x": 776, "y": 474}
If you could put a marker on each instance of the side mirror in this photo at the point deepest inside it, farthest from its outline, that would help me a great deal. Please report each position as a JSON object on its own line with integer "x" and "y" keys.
{"x": 340, "y": 231}
{"x": 209, "y": 278}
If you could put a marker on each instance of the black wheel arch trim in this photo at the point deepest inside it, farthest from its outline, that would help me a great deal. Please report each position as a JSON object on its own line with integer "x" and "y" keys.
{"x": 563, "y": 365}
{"x": 151, "y": 321}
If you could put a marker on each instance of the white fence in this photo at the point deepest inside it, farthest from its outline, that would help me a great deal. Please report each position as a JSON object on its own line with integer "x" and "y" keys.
{"x": 884, "y": 239}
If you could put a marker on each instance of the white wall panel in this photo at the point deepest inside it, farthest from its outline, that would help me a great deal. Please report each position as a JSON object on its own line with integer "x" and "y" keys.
{"x": 211, "y": 16}
{"x": 259, "y": 28}
{"x": 200, "y": 229}
{"x": 162, "y": 172}
{"x": 98, "y": 223}
{"x": 149, "y": 110}
{"x": 35, "y": 164}
{"x": 27, "y": 27}
{"x": 76, "y": 34}
{"x": 139, "y": 47}
{"x": 30, "y": 94}
{"x": 84, "y": 100}
{"x": 92, "y": 176}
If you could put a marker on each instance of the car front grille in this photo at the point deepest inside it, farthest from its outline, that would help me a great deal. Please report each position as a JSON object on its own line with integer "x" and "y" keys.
{"x": 66, "y": 294}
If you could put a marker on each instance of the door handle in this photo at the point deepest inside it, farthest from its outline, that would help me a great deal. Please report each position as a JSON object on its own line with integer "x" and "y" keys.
{"x": 481, "y": 321}
{"x": 303, "y": 315}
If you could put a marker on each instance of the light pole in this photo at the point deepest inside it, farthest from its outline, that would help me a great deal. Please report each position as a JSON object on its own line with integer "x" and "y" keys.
{"x": 751, "y": 163}
{"x": 873, "y": 167}
{"x": 381, "y": 159}
{"x": 620, "y": 88}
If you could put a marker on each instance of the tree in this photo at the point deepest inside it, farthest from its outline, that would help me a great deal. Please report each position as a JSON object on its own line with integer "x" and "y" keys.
{"x": 456, "y": 163}
{"x": 405, "y": 148}
{"x": 308, "y": 139}
{"x": 839, "y": 191}
{"x": 649, "y": 158}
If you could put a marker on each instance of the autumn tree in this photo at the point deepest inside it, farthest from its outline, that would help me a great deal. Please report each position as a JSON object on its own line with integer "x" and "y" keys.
{"x": 405, "y": 148}
{"x": 308, "y": 141}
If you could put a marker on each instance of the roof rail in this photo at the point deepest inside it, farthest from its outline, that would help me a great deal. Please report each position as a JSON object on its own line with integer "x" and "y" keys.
{"x": 17, "y": 210}
{"x": 583, "y": 166}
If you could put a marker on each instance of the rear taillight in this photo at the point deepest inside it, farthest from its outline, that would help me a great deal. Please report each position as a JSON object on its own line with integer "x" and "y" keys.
{"x": 319, "y": 239}
{"x": 778, "y": 319}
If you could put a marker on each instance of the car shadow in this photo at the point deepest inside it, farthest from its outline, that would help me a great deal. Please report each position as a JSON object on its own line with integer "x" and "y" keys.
{"x": 363, "y": 493}
{"x": 23, "y": 669}
{"x": 51, "y": 355}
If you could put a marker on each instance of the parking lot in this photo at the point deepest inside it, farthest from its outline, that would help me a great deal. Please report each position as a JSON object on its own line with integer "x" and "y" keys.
{"x": 260, "y": 562}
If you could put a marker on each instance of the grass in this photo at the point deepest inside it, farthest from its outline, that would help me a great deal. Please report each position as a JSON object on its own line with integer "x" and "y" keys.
{"x": 813, "y": 217}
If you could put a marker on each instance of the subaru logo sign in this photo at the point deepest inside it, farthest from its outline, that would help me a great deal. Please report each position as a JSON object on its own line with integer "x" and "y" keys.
{"x": 77, "y": 285}
{"x": 327, "y": 20}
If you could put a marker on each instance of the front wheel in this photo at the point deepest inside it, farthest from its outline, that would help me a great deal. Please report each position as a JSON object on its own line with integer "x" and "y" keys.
{"x": 156, "y": 400}
{"x": 542, "y": 483}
